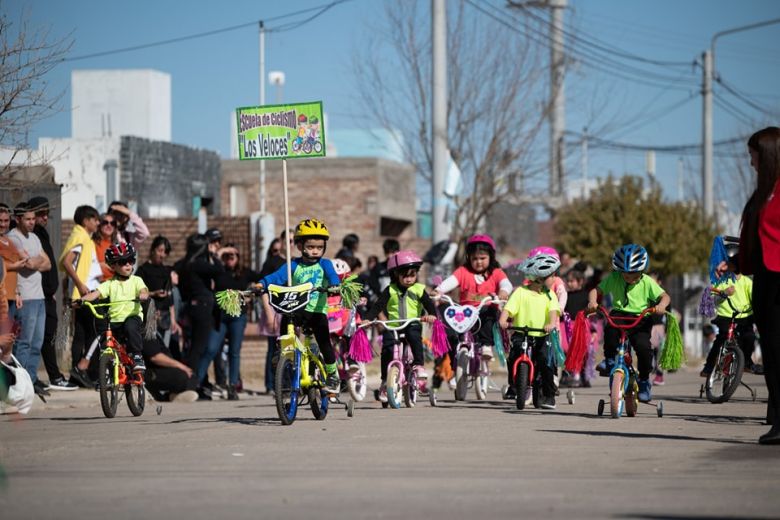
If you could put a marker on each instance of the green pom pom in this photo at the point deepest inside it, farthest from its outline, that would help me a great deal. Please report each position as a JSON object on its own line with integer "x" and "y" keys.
{"x": 673, "y": 353}
{"x": 230, "y": 302}
{"x": 350, "y": 291}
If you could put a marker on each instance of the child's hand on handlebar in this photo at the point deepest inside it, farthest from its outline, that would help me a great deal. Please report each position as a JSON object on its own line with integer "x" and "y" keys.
{"x": 592, "y": 307}
{"x": 75, "y": 304}
{"x": 730, "y": 290}
{"x": 549, "y": 327}
{"x": 503, "y": 322}
{"x": 660, "y": 310}
{"x": 428, "y": 318}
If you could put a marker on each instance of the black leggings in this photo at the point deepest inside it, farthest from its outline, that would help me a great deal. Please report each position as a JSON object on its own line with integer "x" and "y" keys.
{"x": 766, "y": 309}
{"x": 201, "y": 321}
{"x": 162, "y": 381}
{"x": 318, "y": 323}
{"x": 413, "y": 334}
{"x": 639, "y": 337}
{"x": 541, "y": 351}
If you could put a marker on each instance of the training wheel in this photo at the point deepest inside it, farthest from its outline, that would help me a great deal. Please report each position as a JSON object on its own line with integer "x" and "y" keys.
{"x": 159, "y": 408}
{"x": 350, "y": 408}
{"x": 433, "y": 398}
{"x": 570, "y": 396}
{"x": 601, "y": 407}
{"x": 754, "y": 394}
{"x": 701, "y": 392}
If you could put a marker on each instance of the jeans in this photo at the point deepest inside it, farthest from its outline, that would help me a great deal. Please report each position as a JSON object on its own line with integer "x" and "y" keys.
{"x": 233, "y": 327}
{"x": 27, "y": 348}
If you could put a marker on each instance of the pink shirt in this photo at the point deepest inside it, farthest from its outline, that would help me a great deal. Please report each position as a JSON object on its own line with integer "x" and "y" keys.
{"x": 769, "y": 230}
{"x": 474, "y": 287}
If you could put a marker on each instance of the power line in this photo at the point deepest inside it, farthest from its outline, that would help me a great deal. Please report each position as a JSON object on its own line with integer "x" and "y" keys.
{"x": 743, "y": 97}
{"x": 598, "y": 142}
{"x": 320, "y": 8}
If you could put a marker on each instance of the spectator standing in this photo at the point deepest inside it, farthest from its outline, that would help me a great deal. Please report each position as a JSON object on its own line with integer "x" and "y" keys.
{"x": 129, "y": 225}
{"x": 275, "y": 258}
{"x": 158, "y": 279}
{"x": 105, "y": 236}
{"x": 349, "y": 246}
{"x": 32, "y": 313}
{"x": 50, "y": 281}
{"x": 14, "y": 261}
{"x": 379, "y": 277}
{"x": 759, "y": 255}
{"x": 82, "y": 274}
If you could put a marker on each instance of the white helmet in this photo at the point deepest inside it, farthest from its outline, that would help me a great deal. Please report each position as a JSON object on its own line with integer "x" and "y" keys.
{"x": 540, "y": 266}
{"x": 341, "y": 267}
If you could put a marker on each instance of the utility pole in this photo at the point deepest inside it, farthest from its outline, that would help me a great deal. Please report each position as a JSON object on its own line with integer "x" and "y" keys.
{"x": 706, "y": 159}
{"x": 680, "y": 180}
{"x": 440, "y": 145}
{"x": 262, "y": 102}
{"x": 557, "y": 114}
{"x": 585, "y": 162}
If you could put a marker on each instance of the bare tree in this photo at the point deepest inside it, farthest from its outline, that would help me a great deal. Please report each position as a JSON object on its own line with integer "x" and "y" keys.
{"x": 497, "y": 86}
{"x": 27, "y": 55}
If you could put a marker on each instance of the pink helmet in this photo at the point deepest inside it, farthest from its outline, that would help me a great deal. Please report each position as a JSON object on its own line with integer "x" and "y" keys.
{"x": 484, "y": 239}
{"x": 404, "y": 258}
{"x": 544, "y": 250}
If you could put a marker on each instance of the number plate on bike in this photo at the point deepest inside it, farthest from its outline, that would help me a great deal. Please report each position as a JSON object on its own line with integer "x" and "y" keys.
{"x": 461, "y": 317}
{"x": 289, "y": 299}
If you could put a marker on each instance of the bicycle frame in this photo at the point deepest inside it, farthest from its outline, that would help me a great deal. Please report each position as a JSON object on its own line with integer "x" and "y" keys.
{"x": 525, "y": 357}
{"x": 623, "y": 360}
{"x": 112, "y": 347}
{"x": 403, "y": 358}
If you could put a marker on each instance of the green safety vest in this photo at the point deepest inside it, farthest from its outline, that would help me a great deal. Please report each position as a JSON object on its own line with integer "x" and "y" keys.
{"x": 405, "y": 304}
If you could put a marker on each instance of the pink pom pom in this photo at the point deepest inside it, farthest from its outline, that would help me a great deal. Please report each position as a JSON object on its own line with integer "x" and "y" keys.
{"x": 360, "y": 347}
{"x": 439, "y": 343}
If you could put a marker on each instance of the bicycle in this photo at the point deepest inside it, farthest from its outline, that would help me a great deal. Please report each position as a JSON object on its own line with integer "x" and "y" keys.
{"x": 351, "y": 373}
{"x": 524, "y": 375}
{"x": 300, "y": 372}
{"x": 726, "y": 375}
{"x": 623, "y": 384}
{"x": 401, "y": 376}
{"x": 471, "y": 368}
{"x": 116, "y": 370}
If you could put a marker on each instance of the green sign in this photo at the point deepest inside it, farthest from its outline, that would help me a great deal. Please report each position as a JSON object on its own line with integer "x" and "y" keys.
{"x": 281, "y": 131}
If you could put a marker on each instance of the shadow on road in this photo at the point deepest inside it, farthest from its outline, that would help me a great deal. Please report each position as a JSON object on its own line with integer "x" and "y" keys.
{"x": 684, "y": 517}
{"x": 635, "y": 435}
{"x": 246, "y": 421}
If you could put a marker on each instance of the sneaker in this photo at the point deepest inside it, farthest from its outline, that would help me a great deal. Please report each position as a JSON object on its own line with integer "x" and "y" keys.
{"x": 61, "y": 384}
{"x": 80, "y": 378}
{"x": 605, "y": 367}
{"x": 419, "y": 370}
{"x": 486, "y": 352}
{"x": 40, "y": 388}
{"x": 332, "y": 384}
{"x": 757, "y": 369}
{"x": 451, "y": 383}
{"x": 383, "y": 393}
{"x": 138, "y": 363}
{"x": 232, "y": 395}
{"x": 203, "y": 395}
{"x": 658, "y": 380}
{"x": 510, "y": 393}
{"x": 645, "y": 391}
{"x": 188, "y": 396}
{"x": 548, "y": 403}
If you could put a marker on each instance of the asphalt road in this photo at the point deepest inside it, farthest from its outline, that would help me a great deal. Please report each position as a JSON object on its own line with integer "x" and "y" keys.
{"x": 461, "y": 460}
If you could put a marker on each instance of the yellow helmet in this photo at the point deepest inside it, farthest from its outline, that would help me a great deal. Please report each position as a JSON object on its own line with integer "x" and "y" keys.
{"x": 311, "y": 228}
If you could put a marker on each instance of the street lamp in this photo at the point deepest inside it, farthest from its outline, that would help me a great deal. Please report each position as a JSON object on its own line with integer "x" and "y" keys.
{"x": 276, "y": 77}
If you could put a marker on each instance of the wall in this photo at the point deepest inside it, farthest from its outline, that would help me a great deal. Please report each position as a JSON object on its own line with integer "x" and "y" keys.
{"x": 121, "y": 102}
{"x": 162, "y": 178}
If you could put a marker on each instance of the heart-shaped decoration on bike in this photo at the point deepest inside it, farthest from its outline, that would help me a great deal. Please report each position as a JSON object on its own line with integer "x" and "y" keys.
{"x": 461, "y": 317}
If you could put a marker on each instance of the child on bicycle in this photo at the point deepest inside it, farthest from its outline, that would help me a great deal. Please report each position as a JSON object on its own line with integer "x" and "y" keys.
{"x": 403, "y": 299}
{"x": 125, "y": 289}
{"x": 534, "y": 306}
{"x": 631, "y": 292}
{"x": 738, "y": 290}
{"x": 480, "y": 276}
{"x": 311, "y": 239}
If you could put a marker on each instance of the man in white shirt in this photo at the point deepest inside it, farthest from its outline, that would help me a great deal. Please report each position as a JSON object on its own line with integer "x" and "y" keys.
{"x": 32, "y": 313}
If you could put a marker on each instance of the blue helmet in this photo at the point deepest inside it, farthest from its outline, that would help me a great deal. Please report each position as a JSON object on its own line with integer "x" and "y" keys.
{"x": 630, "y": 258}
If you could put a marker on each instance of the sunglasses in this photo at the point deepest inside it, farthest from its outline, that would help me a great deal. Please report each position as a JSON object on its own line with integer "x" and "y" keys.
{"x": 127, "y": 261}
{"x": 276, "y": 250}
{"x": 107, "y": 223}
{"x": 229, "y": 255}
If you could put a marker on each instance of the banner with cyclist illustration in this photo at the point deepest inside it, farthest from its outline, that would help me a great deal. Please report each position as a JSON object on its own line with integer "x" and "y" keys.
{"x": 281, "y": 131}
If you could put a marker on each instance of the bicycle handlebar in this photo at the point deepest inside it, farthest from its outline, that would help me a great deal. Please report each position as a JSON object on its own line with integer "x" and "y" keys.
{"x": 403, "y": 323}
{"x": 634, "y": 320}
{"x": 527, "y": 329}
{"x": 727, "y": 297}
{"x": 486, "y": 299}
{"x": 92, "y": 306}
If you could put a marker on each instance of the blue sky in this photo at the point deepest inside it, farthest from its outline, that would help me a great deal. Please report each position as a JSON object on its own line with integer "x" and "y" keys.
{"x": 212, "y": 75}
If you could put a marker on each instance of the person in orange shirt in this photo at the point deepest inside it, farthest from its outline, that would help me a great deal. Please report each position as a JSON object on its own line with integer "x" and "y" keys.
{"x": 104, "y": 237}
{"x": 14, "y": 261}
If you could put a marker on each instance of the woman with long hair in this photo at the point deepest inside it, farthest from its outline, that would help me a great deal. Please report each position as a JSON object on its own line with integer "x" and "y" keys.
{"x": 759, "y": 255}
{"x": 104, "y": 237}
{"x": 157, "y": 277}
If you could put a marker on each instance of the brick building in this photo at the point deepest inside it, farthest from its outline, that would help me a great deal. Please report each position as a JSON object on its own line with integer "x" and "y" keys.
{"x": 372, "y": 197}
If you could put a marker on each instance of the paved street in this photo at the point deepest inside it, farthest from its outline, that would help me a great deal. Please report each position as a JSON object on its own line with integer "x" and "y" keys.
{"x": 460, "y": 460}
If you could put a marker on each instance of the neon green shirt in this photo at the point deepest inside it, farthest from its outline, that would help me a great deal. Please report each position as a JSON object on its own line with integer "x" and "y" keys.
{"x": 743, "y": 294}
{"x": 529, "y": 308}
{"x": 123, "y": 290}
{"x": 631, "y": 298}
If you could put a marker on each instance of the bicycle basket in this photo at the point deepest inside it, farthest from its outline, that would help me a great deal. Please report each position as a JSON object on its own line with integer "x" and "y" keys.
{"x": 289, "y": 299}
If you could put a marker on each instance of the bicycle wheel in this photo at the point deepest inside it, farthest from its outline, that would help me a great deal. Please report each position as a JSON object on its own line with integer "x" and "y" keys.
{"x": 481, "y": 382}
{"x": 521, "y": 385}
{"x": 410, "y": 389}
{"x": 356, "y": 384}
{"x": 286, "y": 398}
{"x": 462, "y": 375}
{"x": 306, "y": 147}
{"x": 109, "y": 391}
{"x": 616, "y": 395}
{"x": 136, "y": 398}
{"x": 727, "y": 374}
{"x": 631, "y": 399}
{"x": 317, "y": 147}
{"x": 394, "y": 387}
{"x": 318, "y": 403}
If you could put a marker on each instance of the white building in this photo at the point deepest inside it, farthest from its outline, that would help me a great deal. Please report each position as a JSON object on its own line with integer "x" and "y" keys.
{"x": 121, "y": 102}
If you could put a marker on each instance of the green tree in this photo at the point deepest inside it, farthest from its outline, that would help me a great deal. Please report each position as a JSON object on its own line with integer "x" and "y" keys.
{"x": 626, "y": 210}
